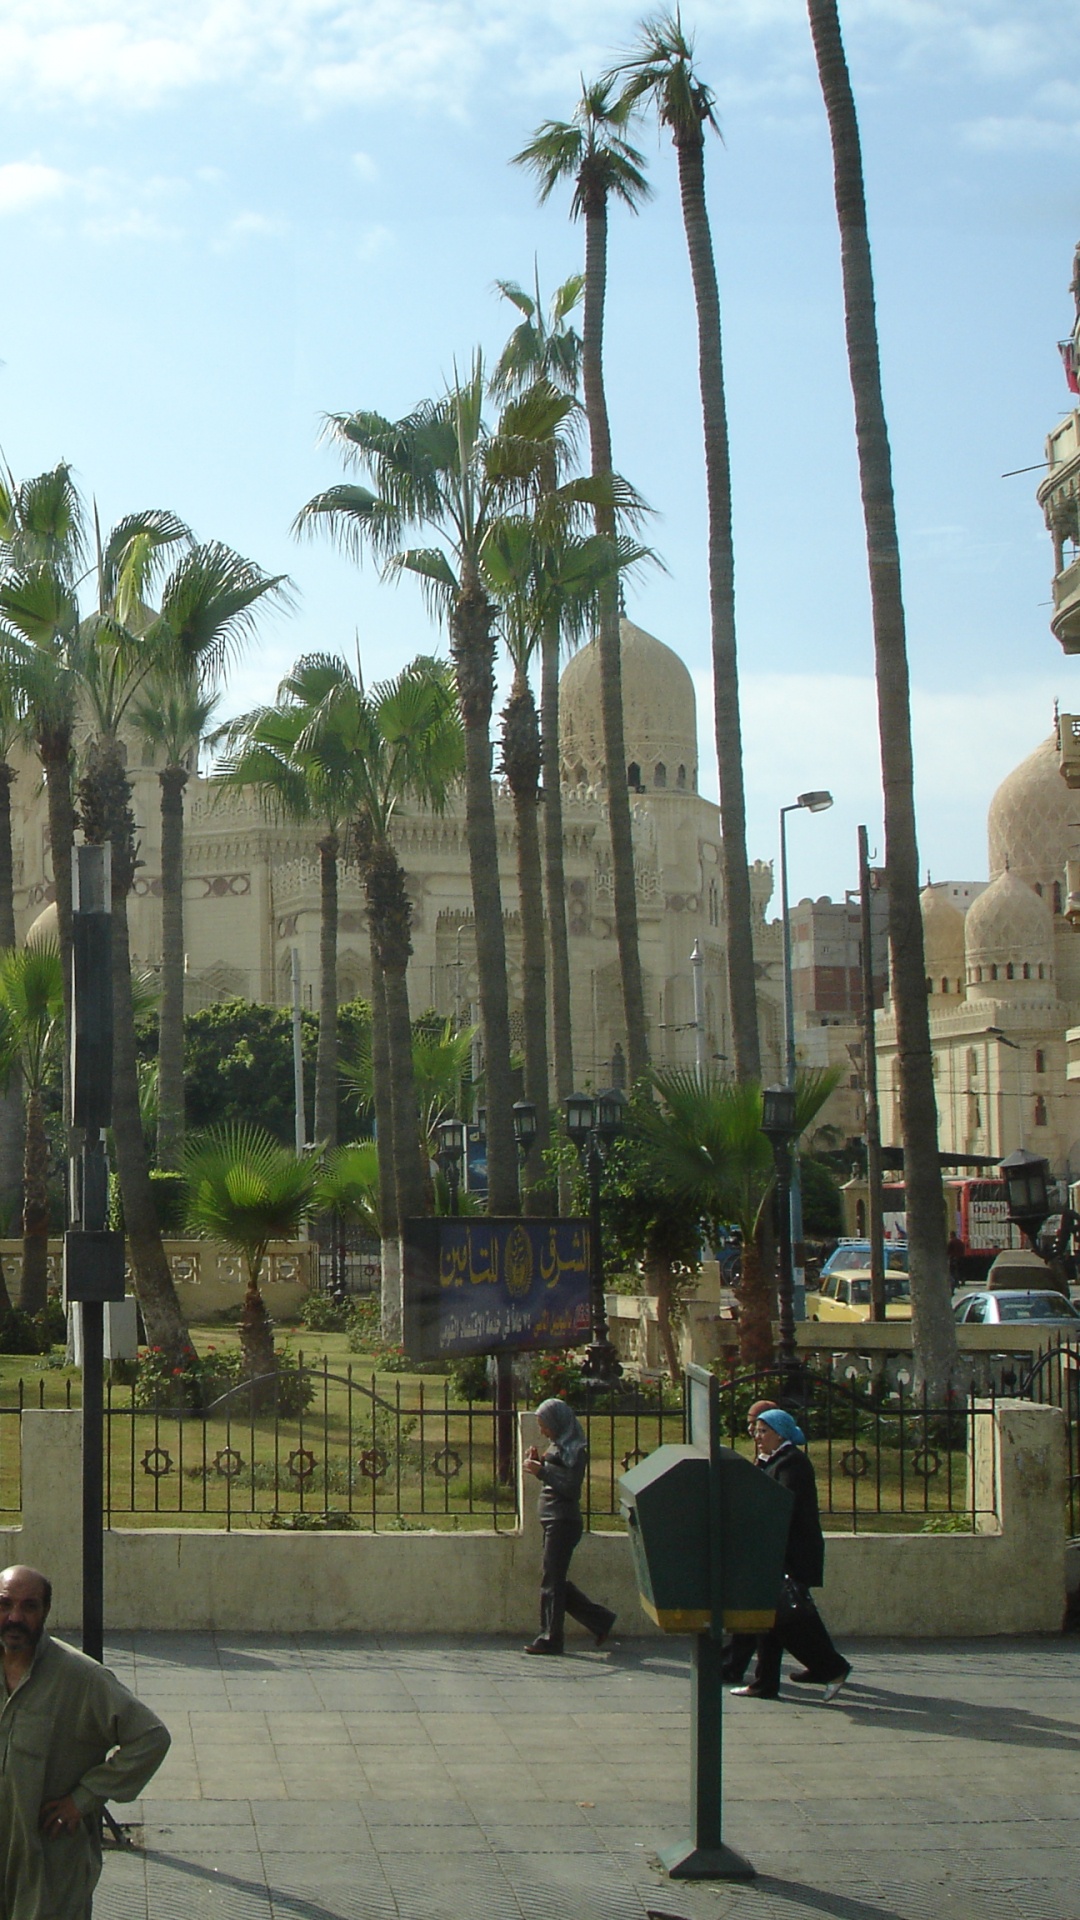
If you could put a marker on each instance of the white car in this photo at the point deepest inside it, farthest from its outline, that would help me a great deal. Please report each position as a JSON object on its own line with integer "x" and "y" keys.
{"x": 1014, "y": 1306}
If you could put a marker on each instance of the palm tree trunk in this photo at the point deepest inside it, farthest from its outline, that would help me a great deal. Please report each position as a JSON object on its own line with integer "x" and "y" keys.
{"x": 12, "y": 1126}
{"x": 257, "y": 1338}
{"x": 326, "y": 1058}
{"x": 933, "y": 1328}
{"x": 755, "y": 1301}
{"x": 690, "y": 147}
{"x": 389, "y": 917}
{"x": 521, "y": 764}
{"x": 622, "y": 843}
{"x": 659, "y": 1278}
{"x": 474, "y": 653}
{"x": 554, "y": 875}
{"x": 384, "y": 1142}
{"x": 54, "y": 749}
{"x": 170, "y": 1126}
{"x": 35, "y": 1266}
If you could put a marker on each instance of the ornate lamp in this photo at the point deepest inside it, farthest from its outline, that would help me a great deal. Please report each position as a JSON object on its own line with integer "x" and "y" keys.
{"x": 580, "y": 1112}
{"x": 1027, "y": 1190}
{"x": 524, "y": 1127}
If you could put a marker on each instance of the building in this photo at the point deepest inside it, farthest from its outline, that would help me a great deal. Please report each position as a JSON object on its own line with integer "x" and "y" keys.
{"x": 252, "y": 885}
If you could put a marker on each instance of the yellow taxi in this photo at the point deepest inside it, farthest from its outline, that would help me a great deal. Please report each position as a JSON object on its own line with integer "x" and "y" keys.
{"x": 844, "y": 1289}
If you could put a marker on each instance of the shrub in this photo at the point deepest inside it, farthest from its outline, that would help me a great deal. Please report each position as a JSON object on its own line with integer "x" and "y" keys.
{"x": 469, "y": 1377}
{"x": 322, "y": 1313}
{"x": 204, "y": 1378}
{"x": 51, "y": 1323}
{"x": 19, "y": 1334}
{"x": 556, "y": 1376}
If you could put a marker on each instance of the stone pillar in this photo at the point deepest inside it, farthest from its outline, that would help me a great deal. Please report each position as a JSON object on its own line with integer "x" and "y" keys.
{"x": 52, "y": 1506}
{"x": 529, "y": 1435}
{"x": 1019, "y": 1468}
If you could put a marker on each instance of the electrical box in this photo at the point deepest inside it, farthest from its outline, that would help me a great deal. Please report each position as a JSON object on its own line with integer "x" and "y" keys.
{"x": 93, "y": 1266}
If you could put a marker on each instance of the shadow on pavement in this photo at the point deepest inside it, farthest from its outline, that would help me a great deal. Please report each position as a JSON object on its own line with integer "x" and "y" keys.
{"x": 963, "y": 1719}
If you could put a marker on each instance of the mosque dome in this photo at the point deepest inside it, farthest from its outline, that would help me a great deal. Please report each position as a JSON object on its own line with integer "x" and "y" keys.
{"x": 659, "y": 715}
{"x": 1034, "y": 821}
{"x": 943, "y": 942}
{"x": 1008, "y": 936}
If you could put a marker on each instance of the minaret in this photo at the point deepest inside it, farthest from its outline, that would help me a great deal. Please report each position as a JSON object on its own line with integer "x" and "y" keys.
{"x": 1059, "y": 492}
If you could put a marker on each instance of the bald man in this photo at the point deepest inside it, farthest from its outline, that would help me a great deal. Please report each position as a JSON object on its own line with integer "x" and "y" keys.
{"x": 71, "y": 1737}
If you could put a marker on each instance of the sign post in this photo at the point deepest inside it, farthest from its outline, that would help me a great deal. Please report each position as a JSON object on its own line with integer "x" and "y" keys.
{"x": 93, "y": 1257}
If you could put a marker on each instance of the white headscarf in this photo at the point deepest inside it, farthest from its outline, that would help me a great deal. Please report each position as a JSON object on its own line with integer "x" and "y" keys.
{"x": 567, "y": 1434}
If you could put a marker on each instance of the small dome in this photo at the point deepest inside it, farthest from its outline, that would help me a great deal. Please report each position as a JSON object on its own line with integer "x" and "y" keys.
{"x": 1009, "y": 936}
{"x": 1032, "y": 820}
{"x": 659, "y": 715}
{"x": 943, "y": 942}
{"x": 45, "y": 927}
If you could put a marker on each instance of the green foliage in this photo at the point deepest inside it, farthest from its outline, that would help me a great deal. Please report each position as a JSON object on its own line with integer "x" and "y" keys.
{"x": 823, "y": 1208}
{"x": 169, "y": 1193}
{"x": 245, "y": 1188}
{"x": 469, "y": 1377}
{"x": 555, "y": 1376}
{"x": 20, "y": 1334}
{"x": 334, "y": 1520}
{"x": 322, "y": 1313}
{"x": 51, "y": 1323}
{"x": 204, "y": 1378}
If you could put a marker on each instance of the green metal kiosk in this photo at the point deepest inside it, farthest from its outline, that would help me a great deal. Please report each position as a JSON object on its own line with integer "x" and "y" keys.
{"x": 709, "y": 1532}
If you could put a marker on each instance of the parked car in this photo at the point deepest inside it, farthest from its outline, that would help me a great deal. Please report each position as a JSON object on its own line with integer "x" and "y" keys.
{"x": 1015, "y": 1306}
{"x": 844, "y": 1290}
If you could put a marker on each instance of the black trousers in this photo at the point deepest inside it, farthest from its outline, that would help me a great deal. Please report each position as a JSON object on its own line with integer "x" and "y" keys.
{"x": 558, "y": 1594}
{"x": 801, "y": 1631}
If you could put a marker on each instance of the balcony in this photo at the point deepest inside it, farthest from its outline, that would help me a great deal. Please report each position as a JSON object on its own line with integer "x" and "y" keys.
{"x": 1065, "y": 619}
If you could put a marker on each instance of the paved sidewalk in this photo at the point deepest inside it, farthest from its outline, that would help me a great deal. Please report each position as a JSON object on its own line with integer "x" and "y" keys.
{"x": 349, "y": 1778}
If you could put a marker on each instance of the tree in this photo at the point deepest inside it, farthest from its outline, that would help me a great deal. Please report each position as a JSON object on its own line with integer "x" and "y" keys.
{"x": 442, "y": 1061}
{"x": 934, "y": 1339}
{"x": 663, "y": 71}
{"x": 593, "y": 151}
{"x": 706, "y": 1145}
{"x": 442, "y": 469}
{"x": 649, "y": 1227}
{"x": 238, "y": 1063}
{"x": 245, "y": 1188}
{"x": 13, "y": 732}
{"x": 31, "y": 1033}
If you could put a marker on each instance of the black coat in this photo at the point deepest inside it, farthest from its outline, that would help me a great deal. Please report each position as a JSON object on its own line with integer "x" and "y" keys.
{"x": 805, "y": 1556}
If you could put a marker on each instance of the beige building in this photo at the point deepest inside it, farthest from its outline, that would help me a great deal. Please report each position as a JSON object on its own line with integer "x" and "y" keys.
{"x": 252, "y": 886}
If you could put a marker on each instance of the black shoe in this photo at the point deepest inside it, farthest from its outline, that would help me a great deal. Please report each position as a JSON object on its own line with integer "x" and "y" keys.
{"x": 541, "y": 1645}
{"x": 606, "y": 1632}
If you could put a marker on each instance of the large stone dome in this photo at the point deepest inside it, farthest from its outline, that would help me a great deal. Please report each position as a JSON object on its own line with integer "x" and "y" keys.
{"x": 1009, "y": 937}
{"x": 943, "y": 942}
{"x": 659, "y": 715}
{"x": 1034, "y": 821}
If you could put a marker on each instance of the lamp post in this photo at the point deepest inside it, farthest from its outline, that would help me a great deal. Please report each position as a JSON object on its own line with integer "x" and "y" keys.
{"x": 524, "y": 1115}
{"x": 1027, "y": 1191}
{"x": 593, "y": 1125}
{"x": 818, "y": 801}
{"x": 779, "y": 1127}
{"x": 450, "y": 1153}
{"x": 697, "y": 962}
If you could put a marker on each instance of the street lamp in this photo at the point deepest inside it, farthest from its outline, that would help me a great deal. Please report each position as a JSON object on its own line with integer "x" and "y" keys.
{"x": 1027, "y": 1191}
{"x": 779, "y": 1126}
{"x": 450, "y": 1152}
{"x": 818, "y": 801}
{"x": 524, "y": 1127}
{"x": 592, "y": 1126}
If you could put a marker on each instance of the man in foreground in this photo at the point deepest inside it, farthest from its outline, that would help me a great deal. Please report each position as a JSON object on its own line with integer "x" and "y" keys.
{"x": 71, "y": 1737}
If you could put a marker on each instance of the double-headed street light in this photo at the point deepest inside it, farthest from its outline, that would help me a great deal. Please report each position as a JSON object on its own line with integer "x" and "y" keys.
{"x": 818, "y": 801}
{"x": 779, "y": 1126}
{"x": 593, "y": 1124}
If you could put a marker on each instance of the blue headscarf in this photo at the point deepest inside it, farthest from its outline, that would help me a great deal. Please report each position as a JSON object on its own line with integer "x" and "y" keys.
{"x": 567, "y": 1434}
{"x": 783, "y": 1424}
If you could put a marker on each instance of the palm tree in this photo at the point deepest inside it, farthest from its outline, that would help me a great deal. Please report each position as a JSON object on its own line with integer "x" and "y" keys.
{"x": 245, "y": 1188}
{"x": 442, "y": 1061}
{"x": 441, "y": 468}
{"x": 31, "y": 1033}
{"x": 548, "y": 349}
{"x": 664, "y": 72}
{"x": 13, "y": 733}
{"x": 933, "y": 1328}
{"x": 594, "y": 152}
{"x": 705, "y": 1143}
{"x": 172, "y": 717}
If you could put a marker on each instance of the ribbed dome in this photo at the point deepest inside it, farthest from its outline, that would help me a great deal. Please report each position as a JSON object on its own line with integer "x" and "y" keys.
{"x": 659, "y": 715}
{"x": 1032, "y": 820}
{"x": 943, "y": 942}
{"x": 1009, "y": 936}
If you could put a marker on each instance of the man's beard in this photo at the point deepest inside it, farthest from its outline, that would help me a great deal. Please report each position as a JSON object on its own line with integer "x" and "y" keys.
{"x": 17, "y": 1635}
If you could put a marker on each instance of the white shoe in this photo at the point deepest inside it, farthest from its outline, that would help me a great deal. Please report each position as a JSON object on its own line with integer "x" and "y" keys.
{"x": 834, "y": 1686}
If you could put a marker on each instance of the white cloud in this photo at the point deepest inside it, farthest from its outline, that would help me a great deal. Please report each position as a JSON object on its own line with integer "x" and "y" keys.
{"x": 365, "y": 167}
{"x": 1023, "y": 133}
{"x": 26, "y": 183}
{"x": 256, "y": 226}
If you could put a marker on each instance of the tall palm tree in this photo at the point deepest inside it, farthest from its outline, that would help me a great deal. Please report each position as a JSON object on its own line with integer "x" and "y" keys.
{"x": 402, "y": 741}
{"x": 592, "y": 150}
{"x": 13, "y": 733}
{"x": 172, "y": 716}
{"x": 442, "y": 469}
{"x": 933, "y": 1328}
{"x": 663, "y": 71}
{"x": 31, "y": 1033}
{"x": 549, "y": 348}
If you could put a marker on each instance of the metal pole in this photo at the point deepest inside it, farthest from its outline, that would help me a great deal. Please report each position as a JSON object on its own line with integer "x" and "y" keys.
{"x": 797, "y": 1253}
{"x": 873, "y": 1114}
{"x": 298, "y": 1054}
{"x": 783, "y": 1157}
{"x": 697, "y": 962}
{"x": 89, "y": 1197}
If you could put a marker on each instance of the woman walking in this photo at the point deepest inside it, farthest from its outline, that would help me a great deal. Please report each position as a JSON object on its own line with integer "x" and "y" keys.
{"x": 561, "y": 1472}
{"x": 799, "y": 1627}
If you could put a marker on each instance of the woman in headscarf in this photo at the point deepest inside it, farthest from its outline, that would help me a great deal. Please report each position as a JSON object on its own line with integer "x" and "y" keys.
{"x": 799, "y": 1627}
{"x": 741, "y": 1647}
{"x": 561, "y": 1471}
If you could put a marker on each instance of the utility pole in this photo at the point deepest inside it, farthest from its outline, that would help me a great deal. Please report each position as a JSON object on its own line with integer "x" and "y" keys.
{"x": 697, "y": 962}
{"x": 873, "y": 1116}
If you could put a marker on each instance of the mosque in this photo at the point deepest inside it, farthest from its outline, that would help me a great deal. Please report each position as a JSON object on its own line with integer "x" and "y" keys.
{"x": 252, "y": 885}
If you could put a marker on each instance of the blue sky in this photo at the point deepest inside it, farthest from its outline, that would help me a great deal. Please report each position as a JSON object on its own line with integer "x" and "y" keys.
{"x": 222, "y": 218}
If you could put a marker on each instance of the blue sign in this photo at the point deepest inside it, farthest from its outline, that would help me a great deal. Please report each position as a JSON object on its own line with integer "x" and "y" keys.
{"x": 478, "y": 1286}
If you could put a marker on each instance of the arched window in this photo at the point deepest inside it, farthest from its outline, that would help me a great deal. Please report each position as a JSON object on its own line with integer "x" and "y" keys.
{"x": 1042, "y": 971}
{"x": 929, "y": 986}
{"x": 993, "y": 971}
{"x": 1010, "y": 971}
{"x": 944, "y": 986}
{"x": 1027, "y": 970}
{"x": 680, "y": 777}
{"x": 659, "y": 778}
{"x": 1040, "y": 1111}
{"x": 1040, "y": 1060}
{"x": 633, "y": 776}
{"x": 1057, "y": 896}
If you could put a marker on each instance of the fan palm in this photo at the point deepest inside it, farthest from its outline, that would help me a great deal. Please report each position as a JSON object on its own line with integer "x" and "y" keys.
{"x": 663, "y": 71}
{"x": 705, "y": 1143}
{"x": 933, "y": 1328}
{"x": 31, "y": 1034}
{"x": 442, "y": 469}
{"x": 593, "y": 151}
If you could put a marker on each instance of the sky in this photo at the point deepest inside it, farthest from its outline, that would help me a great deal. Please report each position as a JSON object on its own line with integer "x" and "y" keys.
{"x": 223, "y": 219}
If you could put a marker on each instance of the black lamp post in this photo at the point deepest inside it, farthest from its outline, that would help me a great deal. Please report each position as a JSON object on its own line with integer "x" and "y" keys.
{"x": 524, "y": 1114}
{"x": 450, "y": 1153}
{"x": 1026, "y": 1177}
{"x": 593, "y": 1125}
{"x": 779, "y": 1127}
